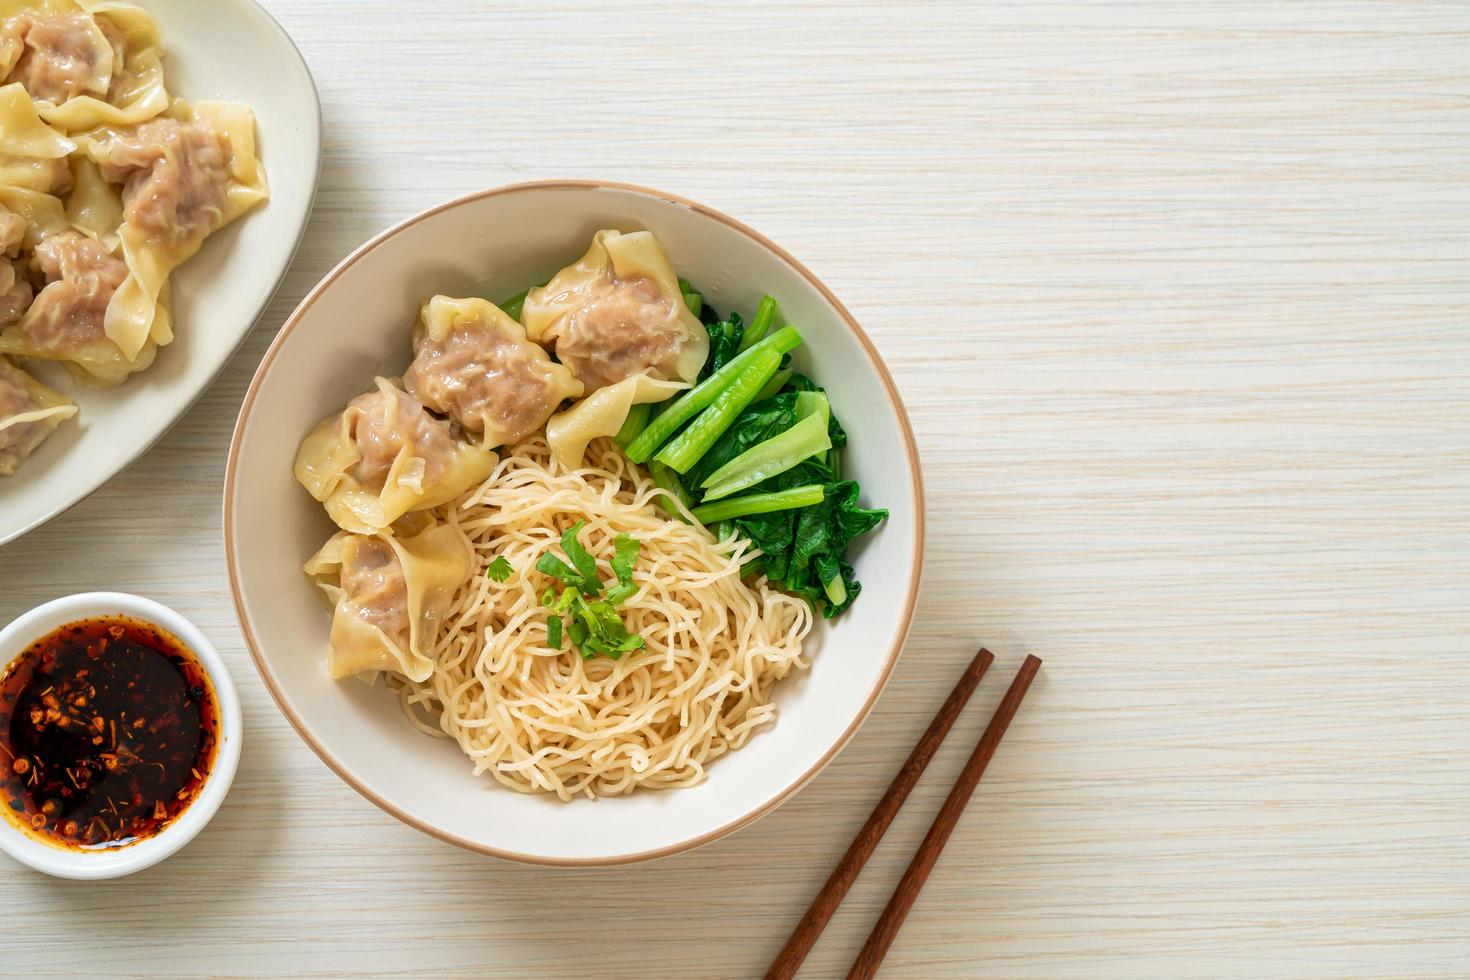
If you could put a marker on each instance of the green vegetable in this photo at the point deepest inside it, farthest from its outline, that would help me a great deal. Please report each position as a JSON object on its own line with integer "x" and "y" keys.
{"x": 692, "y": 299}
{"x": 548, "y": 597}
{"x": 760, "y": 503}
{"x": 701, "y": 434}
{"x": 513, "y": 306}
{"x": 765, "y": 315}
{"x": 724, "y": 343}
{"x": 553, "y": 632}
{"x": 498, "y": 570}
{"x": 836, "y": 591}
{"x": 777, "y": 382}
{"x": 669, "y": 480}
{"x": 812, "y": 563}
{"x": 634, "y": 424}
{"x": 807, "y": 438}
{"x": 696, "y": 400}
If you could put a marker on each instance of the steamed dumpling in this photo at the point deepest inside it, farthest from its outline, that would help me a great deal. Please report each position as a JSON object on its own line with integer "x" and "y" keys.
{"x": 98, "y": 65}
{"x": 78, "y": 279}
{"x": 390, "y": 593}
{"x": 58, "y": 56}
{"x": 33, "y": 156}
{"x": 602, "y": 413}
{"x": 383, "y": 456}
{"x": 618, "y": 312}
{"x": 474, "y": 363}
{"x": 184, "y": 176}
{"x": 29, "y": 412}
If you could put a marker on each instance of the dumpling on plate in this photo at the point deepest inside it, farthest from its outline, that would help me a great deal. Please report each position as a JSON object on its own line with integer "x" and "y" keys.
{"x": 29, "y": 412}
{"x": 33, "y": 156}
{"x": 602, "y": 413}
{"x": 78, "y": 279}
{"x": 185, "y": 175}
{"x": 383, "y": 456}
{"x": 618, "y": 312}
{"x": 390, "y": 592}
{"x": 86, "y": 67}
{"x": 473, "y": 362}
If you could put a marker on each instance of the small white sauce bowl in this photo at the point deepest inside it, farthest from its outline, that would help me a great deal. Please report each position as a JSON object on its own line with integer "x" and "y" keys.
{"x": 116, "y": 862}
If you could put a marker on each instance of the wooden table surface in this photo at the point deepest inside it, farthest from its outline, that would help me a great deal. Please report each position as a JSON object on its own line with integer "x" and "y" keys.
{"x": 1178, "y": 296}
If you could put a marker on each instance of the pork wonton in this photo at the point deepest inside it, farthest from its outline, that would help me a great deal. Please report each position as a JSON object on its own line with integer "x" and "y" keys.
{"x": 390, "y": 592}
{"x": 98, "y": 64}
{"x": 383, "y": 456}
{"x": 474, "y": 363}
{"x": 29, "y": 412}
{"x": 618, "y": 312}
{"x": 184, "y": 176}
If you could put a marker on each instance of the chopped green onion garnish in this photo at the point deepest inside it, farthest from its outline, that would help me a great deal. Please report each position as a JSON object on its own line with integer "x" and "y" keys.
{"x": 553, "y": 632}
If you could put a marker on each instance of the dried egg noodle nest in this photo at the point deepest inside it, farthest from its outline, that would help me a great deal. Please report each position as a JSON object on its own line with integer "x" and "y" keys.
{"x": 543, "y": 720}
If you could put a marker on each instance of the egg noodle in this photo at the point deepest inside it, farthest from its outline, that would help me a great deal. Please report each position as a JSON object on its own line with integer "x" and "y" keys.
{"x": 544, "y": 720}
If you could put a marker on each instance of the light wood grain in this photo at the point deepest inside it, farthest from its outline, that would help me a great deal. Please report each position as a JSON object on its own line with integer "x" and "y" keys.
{"x": 1177, "y": 295}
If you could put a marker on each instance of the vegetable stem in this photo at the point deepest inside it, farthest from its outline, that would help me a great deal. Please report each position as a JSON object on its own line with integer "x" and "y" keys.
{"x": 668, "y": 480}
{"x": 695, "y": 441}
{"x": 807, "y": 438}
{"x": 760, "y": 503}
{"x": 765, "y": 315}
{"x": 634, "y": 424}
{"x": 777, "y": 382}
{"x": 513, "y": 306}
{"x": 696, "y": 400}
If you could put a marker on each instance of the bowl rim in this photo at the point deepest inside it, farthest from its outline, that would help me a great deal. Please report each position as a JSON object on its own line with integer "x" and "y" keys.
{"x": 315, "y": 118}
{"x": 890, "y": 389}
{"x": 61, "y": 862}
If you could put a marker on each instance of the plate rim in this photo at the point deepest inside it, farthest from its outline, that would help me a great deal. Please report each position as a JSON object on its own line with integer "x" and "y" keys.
{"x": 41, "y": 520}
{"x": 900, "y": 636}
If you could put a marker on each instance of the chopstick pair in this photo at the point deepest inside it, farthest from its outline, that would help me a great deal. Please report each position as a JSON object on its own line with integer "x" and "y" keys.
{"x": 886, "y": 929}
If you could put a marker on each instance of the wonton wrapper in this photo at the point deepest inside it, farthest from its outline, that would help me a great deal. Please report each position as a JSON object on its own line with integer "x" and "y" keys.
{"x": 602, "y": 413}
{"x": 618, "y": 312}
{"x": 130, "y": 318}
{"x": 97, "y": 361}
{"x": 405, "y": 586}
{"x": 474, "y": 363}
{"x": 94, "y": 205}
{"x": 124, "y": 93}
{"x": 419, "y": 476}
{"x": 29, "y": 413}
{"x": 32, "y": 154}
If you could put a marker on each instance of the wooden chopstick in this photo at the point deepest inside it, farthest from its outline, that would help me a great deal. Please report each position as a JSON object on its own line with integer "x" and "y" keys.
{"x": 806, "y": 932}
{"x": 866, "y": 965}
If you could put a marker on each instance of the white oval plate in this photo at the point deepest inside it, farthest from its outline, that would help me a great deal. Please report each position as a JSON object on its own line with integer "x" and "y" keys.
{"x": 225, "y": 49}
{"x": 492, "y": 244}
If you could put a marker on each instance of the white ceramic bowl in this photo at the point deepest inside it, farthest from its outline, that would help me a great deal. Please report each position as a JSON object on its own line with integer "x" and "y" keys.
{"x": 114, "y": 863}
{"x": 224, "y": 49}
{"x": 356, "y": 324}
